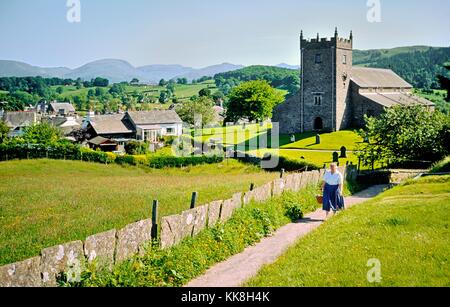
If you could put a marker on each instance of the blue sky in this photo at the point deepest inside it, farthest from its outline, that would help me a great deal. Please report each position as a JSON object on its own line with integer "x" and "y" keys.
{"x": 205, "y": 32}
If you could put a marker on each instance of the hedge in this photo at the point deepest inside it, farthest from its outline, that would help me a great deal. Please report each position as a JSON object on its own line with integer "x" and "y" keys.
{"x": 68, "y": 151}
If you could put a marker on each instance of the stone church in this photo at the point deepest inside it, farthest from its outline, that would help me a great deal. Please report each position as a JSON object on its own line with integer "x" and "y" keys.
{"x": 336, "y": 95}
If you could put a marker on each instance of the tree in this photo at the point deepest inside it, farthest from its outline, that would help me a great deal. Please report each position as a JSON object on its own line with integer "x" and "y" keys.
{"x": 218, "y": 97}
{"x": 445, "y": 82}
{"x": 205, "y": 92}
{"x": 182, "y": 81}
{"x": 100, "y": 82}
{"x": 201, "y": 106}
{"x": 90, "y": 93}
{"x": 405, "y": 134}
{"x": 42, "y": 133}
{"x": 60, "y": 90}
{"x": 117, "y": 89}
{"x": 99, "y": 92}
{"x": 162, "y": 82}
{"x": 163, "y": 97}
{"x": 134, "y": 81}
{"x": 4, "y": 130}
{"x": 253, "y": 100}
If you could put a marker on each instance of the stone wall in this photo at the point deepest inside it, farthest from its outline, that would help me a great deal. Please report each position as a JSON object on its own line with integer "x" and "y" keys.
{"x": 105, "y": 249}
{"x": 115, "y": 246}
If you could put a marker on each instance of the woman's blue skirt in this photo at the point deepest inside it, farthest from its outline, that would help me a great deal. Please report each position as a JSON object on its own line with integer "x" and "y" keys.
{"x": 332, "y": 199}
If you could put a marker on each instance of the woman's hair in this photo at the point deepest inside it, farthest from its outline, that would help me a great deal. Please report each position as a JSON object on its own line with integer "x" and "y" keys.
{"x": 333, "y": 164}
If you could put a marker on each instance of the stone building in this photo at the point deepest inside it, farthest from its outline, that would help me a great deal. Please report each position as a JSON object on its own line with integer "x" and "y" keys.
{"x": 334, "y": 94}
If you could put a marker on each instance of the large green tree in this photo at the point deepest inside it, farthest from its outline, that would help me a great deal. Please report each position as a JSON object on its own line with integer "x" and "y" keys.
{"x": 405, "y": 134}
{"x": 199, "y": 106}
{"x": 42, "y": 133}
{"x": 253, "y": 100}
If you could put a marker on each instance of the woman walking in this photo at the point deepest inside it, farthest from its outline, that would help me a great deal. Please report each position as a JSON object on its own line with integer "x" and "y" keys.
{"x": 333, "y": 187}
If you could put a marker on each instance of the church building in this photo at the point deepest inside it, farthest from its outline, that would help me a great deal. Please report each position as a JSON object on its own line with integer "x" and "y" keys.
{"x": 334, "y": 94}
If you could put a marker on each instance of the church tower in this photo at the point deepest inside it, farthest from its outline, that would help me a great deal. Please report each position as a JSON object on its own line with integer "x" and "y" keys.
{"x": 326, "y": 65}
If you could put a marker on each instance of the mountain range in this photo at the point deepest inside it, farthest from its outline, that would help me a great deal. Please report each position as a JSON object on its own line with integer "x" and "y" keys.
{"x": 407, "y": 61}
{"x": 115, "y": 70}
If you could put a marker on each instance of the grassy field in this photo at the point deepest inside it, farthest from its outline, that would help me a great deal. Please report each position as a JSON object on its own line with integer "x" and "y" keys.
{"x": 406, "y": 229}
{"x": 183, "y": 92}
{"x": 45, "y": 202}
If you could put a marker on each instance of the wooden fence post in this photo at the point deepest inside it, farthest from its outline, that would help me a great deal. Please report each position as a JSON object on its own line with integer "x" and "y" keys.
{"x": 282, "y": 173}
{"x": 194, "y": 199}
{"x": 155, "y": 220}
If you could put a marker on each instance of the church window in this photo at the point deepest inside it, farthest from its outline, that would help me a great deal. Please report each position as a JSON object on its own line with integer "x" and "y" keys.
{"x": 318, "y": 58}
{"x": 317, "y": 100}
{"x": 344, "y": 59}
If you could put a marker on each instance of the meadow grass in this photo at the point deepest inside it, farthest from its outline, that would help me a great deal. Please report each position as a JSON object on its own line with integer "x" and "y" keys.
{"x": 407, "y": 229}
{"x": 47, "y": 202}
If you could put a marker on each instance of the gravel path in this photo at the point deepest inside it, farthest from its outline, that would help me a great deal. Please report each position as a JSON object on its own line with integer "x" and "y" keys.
{"x": 235, "y": 271}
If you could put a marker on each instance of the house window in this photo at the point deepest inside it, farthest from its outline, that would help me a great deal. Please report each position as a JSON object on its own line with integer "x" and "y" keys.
{"x": 317, "y": 100}
{"x": 170, "y": 130}
{"x": 344, "y": 59}
{"x": 318, "y": 58}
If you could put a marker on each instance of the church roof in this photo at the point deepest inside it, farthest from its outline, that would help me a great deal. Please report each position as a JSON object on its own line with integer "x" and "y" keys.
{"x": 397, "y": 98}
{"x": 377, "y": 78}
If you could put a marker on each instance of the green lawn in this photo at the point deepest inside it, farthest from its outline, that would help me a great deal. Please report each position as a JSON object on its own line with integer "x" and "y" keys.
{"x": 46, "y": 202}
{"x": 304, "y": 148}
{"x": 316, "y": 157}
{"x": 407, "y": 229}
{"x": 329, "y": 141}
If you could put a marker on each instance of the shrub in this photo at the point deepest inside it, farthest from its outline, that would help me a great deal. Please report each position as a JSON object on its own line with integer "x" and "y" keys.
{"x": 136, "y": 148}
{"x": 441, "y": 166}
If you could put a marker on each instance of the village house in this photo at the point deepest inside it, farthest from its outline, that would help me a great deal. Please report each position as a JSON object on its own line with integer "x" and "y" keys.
{"x": 149, "y": 126}
{"x": 19, "y": 121}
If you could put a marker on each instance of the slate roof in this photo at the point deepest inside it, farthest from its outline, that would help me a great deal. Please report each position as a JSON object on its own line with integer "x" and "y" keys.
{"x": 155, "y": 117}
{"x": 377, "y": 78}
{"x": 19, "y": 119}
{"x": 67, "y": 107}
{"x": 111, "y": 124}
{"x": 397, "y": 98}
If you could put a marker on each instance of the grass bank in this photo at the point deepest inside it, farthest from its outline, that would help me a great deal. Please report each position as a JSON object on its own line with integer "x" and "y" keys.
{"x": 407, "y": 229}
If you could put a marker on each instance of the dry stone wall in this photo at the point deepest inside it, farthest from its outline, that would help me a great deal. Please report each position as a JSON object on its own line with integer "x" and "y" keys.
{"x": 115, "y": 246}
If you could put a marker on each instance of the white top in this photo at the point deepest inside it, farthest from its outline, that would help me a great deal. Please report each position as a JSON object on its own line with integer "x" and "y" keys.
{"x": 333, "y": 179}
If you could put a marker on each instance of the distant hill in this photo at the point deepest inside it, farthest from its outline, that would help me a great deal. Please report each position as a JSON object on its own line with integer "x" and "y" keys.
{"x": 210, "y": 71}
{"x": 111, "y": 69}
{"x": 114, "y": 70}
{"x": 19, "y": 69}
{"x": 284, "y": 65}
{"x": 154, "y": 73}
{"x": 281, "y": 78}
